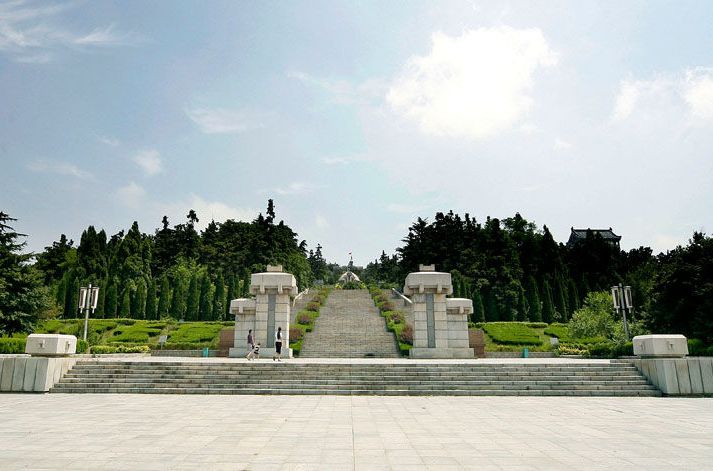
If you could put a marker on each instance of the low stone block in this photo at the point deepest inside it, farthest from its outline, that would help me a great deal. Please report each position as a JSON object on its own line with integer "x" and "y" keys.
{"x": 441, "y": 353}
{"x": 707, "y": 374}
{"x": 694, "y": 370}
{"x": 660, "y": 346}
{"x": 18, "y": 374}
{"x": 8, "y": 369}
{"x": 51, "y": 344}
{"x": 683, "y": 376}
{"x": 30, "y": 372}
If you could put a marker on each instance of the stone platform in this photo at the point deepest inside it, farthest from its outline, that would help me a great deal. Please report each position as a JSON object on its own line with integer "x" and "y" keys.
{"x": 332, "y": 433}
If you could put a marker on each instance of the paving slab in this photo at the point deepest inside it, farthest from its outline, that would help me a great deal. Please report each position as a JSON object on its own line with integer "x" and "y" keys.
{"x": 127, "y": 431}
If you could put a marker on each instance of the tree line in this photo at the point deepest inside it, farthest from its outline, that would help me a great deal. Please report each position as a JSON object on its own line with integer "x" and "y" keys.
{"x": 177, "y": 271}
{"x": 514, "y": 271}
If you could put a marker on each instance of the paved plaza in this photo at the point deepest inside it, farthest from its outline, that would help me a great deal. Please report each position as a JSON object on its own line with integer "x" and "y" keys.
{"x": 141, "y": 432}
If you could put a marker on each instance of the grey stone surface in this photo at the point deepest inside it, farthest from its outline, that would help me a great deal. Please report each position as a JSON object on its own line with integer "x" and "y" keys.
{"x": 7, "y": 372}
{"x": 707, "y": 374}
{"x": 353, "y": 433}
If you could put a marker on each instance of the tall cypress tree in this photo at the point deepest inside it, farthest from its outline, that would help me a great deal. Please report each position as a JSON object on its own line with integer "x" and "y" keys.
{"x": 125, "y": 306}
{"x": 533, "y": 300}
{"x": 151, "y": 300}
{"x": 491, "y": 308}
{"x": 71, "y": 302}
{"x": 177, "y": 298}
{"x": 560, "y": 300}
{"x": 163, "y": 299}
{"x": 192, "y": 299}
{"x": 101, "y": 302}
{"x": 230, "y": 295}
{"x": 478, "y": 309}
{"x": 548, "y": 310}
{"x": 219, "y": 300}
{"x": 205, "y": 303}
{"x": 522, "y": 308}
{"x": 573, "y": 297}
{"x": 110, "y": 304}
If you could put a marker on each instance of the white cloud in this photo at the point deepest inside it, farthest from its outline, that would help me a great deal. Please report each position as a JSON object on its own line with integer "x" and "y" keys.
{"x": 131, "y": 195}
{"x": 475, "y": 85}
{"x": 149, "y": 161}
{"x": 107, "y": 36}
{"x": 295, "y": 188}
{"x": 698, "y": 92}
{"x": 343, "y": 92}
{"x": 344, "y": 160}
{"x": 321, "y": 222}
{"x": 222, "y": 121}
{"x": 205, "y": 210}
{"x": 110, "y": 141}
{"x": 59, "y": 168}
{"x": 29, "y": 34}
{"x": 561, "y": 144}
{"x": 690, "y": 90}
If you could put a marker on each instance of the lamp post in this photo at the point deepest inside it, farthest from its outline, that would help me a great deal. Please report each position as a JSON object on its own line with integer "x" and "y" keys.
{"x": 621, "y": 295}
{"x": 88, "y": 298}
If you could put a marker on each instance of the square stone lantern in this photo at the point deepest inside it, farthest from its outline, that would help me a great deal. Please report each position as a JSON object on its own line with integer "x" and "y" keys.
{"x": 270, "y": 309}
{"x": 440, "y": 324}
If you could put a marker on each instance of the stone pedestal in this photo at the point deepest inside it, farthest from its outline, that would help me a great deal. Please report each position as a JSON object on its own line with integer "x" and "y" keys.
{"x": 660, "y": 346}
{"x": 51, "y": 345}
{"x": 269, "y": 310}
{"x": 440, "y": 325}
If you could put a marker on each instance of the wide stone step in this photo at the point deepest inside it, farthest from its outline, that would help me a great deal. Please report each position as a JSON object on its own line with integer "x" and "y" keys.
{"x": 367, "y": 392}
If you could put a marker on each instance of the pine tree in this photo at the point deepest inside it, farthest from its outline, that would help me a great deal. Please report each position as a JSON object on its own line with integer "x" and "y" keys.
{"x": 533, "y": 300}
{"x": 478, "y": 310}
{"x": 192, "y": 299}
{"x": 151, "y": 300}
{"x": 110, "y": 304}
{"x": 548, "y": 310}
{"x": 163, "y": 300}
{"x": 125, "y": 306}
{"x": 22, "y": 296}
{"x": 219, "y": 300}
{"x": 205, "y": 302}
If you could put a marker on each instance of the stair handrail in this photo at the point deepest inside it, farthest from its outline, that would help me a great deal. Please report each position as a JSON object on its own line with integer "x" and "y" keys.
{"x": 299, "y": 295}
{"x": 401, "y": 295}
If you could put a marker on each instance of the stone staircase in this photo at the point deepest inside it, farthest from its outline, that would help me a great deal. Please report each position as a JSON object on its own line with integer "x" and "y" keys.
{"x": 614, "y": 378}
{"x": 349, "y": 326}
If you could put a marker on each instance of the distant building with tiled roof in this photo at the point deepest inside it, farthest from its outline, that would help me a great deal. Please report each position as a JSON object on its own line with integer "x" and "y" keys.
{"x": 580, "y": 235}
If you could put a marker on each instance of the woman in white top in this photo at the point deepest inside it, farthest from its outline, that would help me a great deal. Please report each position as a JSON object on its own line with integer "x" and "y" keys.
{"x": 278, "y": 344}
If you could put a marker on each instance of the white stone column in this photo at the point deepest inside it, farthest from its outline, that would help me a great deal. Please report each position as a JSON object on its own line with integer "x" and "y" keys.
{"x": 273, "y": 292}
{"x": 244, "y": 311}
{"x": 440, "y": 324}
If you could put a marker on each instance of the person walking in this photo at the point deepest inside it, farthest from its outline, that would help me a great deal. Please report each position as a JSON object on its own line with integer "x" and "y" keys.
{"x": 278, "y": 344}
{"x": 251, "y": 344}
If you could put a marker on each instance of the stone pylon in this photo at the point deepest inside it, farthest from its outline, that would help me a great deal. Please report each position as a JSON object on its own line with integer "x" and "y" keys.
{"x": 270, "y": 309}
{"x": 440, "y": 323}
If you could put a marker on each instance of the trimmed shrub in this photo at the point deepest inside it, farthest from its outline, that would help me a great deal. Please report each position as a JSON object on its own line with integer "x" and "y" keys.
{"x": 296, "y": 334}
{"x": 312, "y": 306}
{"x": 304, "y": 319}
{"x": 560, "y": 331}
{"x": 108, "y": 349}
{"x": 539, "y": 325}
{"x": 196, "y": 332}
{"x": 406, "y": 335}
{"x": 696, "y": 347}
{"x": 512, "y": 333}
{"x": 82, "y": 346}
{"x": 565, "y": 349}
{"x": 12, "y": 345}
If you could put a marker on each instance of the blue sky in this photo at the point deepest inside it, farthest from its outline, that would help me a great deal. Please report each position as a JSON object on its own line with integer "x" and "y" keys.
{"x": 358, "y": 117}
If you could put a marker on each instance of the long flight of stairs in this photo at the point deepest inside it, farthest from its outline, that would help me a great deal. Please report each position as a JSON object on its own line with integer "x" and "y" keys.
{"x": 349, "y": 326}
{"x": 614, "y": 378}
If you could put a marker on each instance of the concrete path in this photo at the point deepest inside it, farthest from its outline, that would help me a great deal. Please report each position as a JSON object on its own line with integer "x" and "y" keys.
{"x": 142, "y": 432}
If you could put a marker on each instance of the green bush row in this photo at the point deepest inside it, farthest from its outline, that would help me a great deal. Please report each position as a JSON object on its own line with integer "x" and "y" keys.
{"x": 697, "y": 348}
{"x": 12, "y": 345}
{"x": 107, "y": 349}
{"x": 512, "y": 333}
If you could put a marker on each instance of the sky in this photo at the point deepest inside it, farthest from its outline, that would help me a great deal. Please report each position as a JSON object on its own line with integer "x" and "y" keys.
{"x": 356, "y": 118}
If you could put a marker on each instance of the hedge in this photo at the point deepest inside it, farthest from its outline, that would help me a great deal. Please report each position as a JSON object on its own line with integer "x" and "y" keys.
{"x": 108, "y": 349}
{"x": 12, "y": 345}
{"x": 512, "y": 333}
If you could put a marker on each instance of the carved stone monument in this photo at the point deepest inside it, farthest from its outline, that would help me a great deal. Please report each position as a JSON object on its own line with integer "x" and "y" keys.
{"x": 440, "y": 323}
{"x": 269, "y": 310}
